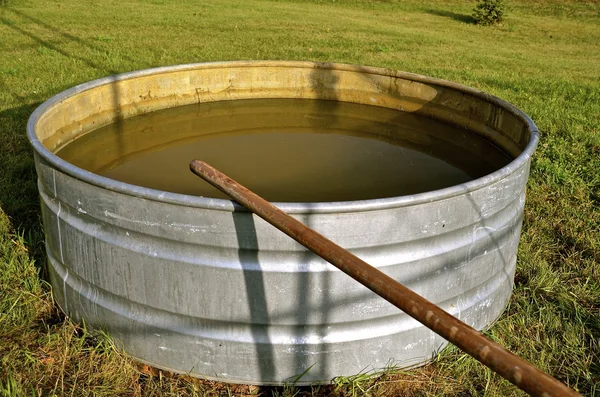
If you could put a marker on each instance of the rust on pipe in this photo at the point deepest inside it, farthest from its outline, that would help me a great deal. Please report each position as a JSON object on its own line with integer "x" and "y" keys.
{"x": 513, "y": 368}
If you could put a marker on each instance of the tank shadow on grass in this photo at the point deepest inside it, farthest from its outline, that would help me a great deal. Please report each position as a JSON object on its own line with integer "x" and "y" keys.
{"x": 19, "y": 197}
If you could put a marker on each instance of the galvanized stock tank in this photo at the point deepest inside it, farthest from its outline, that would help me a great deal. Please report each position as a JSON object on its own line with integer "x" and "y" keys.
{"x": 200, "y": 286}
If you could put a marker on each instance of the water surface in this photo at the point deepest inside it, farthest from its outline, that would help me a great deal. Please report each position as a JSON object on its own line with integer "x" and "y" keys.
{"x": 287, "y": 150}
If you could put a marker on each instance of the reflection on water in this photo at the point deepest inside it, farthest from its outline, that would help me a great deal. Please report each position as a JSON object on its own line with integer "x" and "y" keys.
{"x": 288, "y": 150}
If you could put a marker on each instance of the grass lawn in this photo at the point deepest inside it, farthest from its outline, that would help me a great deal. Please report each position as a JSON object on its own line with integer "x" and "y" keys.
{"x": 545, "y": 58}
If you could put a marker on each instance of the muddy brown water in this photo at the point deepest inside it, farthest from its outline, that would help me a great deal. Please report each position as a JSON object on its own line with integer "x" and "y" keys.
{"x": 288, "y": 150}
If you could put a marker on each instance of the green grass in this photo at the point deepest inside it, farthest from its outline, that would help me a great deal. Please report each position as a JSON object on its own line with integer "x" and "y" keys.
{"x": 544, "y": 58}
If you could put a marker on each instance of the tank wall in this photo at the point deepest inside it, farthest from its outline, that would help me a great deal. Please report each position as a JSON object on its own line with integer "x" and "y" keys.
{"x": 218, "y": 293}
{"x": 194, "y": 276}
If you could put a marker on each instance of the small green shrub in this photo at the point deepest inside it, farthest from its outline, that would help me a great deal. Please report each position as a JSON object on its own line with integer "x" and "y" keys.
{"x": 488, "y": 12}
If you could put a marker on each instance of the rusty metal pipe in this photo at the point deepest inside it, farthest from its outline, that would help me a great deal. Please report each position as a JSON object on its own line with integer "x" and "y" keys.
{"x": 513, "y": 368}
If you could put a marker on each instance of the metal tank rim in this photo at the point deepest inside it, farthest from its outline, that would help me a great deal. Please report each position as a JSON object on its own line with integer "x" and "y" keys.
{"x": 289, "y": 207}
